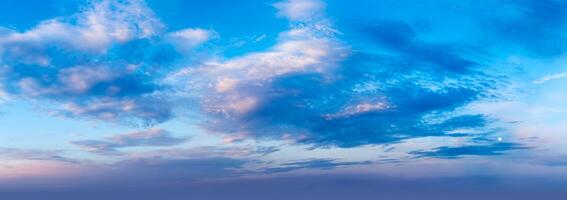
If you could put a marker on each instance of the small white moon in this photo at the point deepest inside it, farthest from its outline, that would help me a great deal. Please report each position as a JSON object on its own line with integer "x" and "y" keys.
{"x": 499, "y": 139}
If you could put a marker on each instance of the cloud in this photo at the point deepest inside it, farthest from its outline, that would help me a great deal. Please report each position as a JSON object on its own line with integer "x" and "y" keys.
{"x": 190, "y": 38}
{"x": 159, "y": 171}
{"x": 102, "y": 63}
{"x": 311, "y": 88}
{"x": 148, "y": 138}
{"x": 238, "y": 82}
{"x": 148, "y": 172}
{"x": 550, "y": 77}
{"x": 265, "y": 150}
{"x": 321, "y": 164}
{"x": 33, "y": 154}
{"x": 147, "y": 110}
{"x": 358, "y": 109}
{"x": 300, "y": 10}
{"x": 299, "y": 50}
{"x": 94, "y": 30}
{"x": 494, "y": 149}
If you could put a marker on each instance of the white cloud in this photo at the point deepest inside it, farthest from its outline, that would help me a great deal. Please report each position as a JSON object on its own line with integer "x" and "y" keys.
{"x": 226, "y": 84}
{"x": 80, "y": 79}
{"x": 3, "y": 95}
{"x": 300, "y": 49}
{"x": 305, "y": 48}
{"x": 94, "y": 30}
{"x": 550, "y": 77}
{"x": 80, "y": 62}
{"x": 289, "y": 55}
{"x": 359, "y": 109}
{"x": 300, "y": 10}
{"x": 70, "y": 81}
{"x": 190, "y": 37}
{"x": 234, "y": 87}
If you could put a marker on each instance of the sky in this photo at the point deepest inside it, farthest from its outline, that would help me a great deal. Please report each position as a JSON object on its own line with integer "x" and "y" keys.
{"x": 291, "y": 99}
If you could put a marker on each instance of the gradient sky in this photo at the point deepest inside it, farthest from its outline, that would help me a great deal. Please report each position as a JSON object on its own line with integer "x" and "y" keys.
{"x": 292, "y": 99}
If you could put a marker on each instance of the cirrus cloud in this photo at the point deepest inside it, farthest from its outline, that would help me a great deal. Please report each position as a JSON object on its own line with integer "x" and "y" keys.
{"x": 151, "y": 137}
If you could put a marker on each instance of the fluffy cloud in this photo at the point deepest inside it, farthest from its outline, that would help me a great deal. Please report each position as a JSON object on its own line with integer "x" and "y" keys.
{"x": 190, "y": 38}
{"x": 309, "y": 88}
{"x": 94, "y": 30}
{"x": 102, "y": 63}
{"x": 236, "y": 87}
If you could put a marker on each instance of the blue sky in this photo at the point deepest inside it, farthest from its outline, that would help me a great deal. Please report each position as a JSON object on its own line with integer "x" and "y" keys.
{"x": 292, "y": 99}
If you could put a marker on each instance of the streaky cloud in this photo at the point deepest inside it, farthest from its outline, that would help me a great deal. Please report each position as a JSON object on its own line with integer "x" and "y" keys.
{"x": 550, "y": 78}
{"x": 321, "y": 164}
{"x": 147, "y": 138}
{"x": 494, "y": 149}
{"x": 301, "y": 10}
{"x": 34, "y": 154}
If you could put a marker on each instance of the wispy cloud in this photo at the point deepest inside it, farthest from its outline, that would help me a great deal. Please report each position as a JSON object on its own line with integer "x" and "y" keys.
{"x": 147, "y": 138}
{"x": 550, "y": 78}
{"x": 33, "y": 154}
{"x": 316, "y": 164}
{"x": 300, "y": 10}
{"x": 494, "y": 149}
